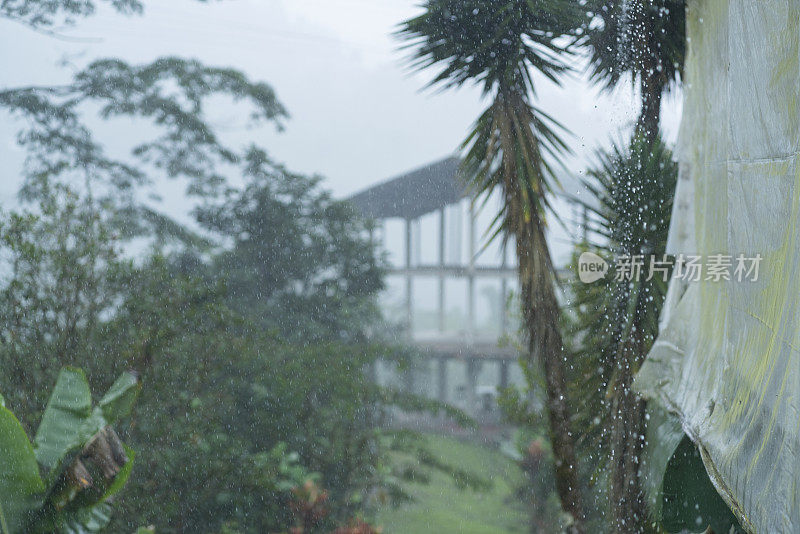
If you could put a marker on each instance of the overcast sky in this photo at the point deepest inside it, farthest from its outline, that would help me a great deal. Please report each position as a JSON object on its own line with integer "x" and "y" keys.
{"x": 357, "y": 116}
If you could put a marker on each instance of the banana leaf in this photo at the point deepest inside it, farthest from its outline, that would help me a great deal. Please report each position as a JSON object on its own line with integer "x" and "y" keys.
{"x": 20, "y": 483}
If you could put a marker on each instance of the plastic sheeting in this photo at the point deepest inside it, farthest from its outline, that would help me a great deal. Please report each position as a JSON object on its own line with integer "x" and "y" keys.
{"x": 728, "y": 358}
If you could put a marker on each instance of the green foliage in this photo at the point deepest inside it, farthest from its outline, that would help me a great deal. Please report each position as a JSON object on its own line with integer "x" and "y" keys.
{"x": 170, "y": 94}
{"x": 60, "y": 430}
{"x": 434, "y": 506}
{"x": 40, "y": 14}
{"x": 643, "y": 40}
{"x": 300, "y": 261}
{"x": 63, "y": 481}
{"x": 512, "y": 148}
{"x": 632, "y": 190}
{"x": 226, "y": 395}
{"x": 690, "y": 502}
{"x": 498, "y": 44}
{"x": 491, "y": 42}
{"x": 62, "y": 268}
{"x": 20, "y": 483}
{"x": 627, "y": 38}
{"x": 253, "y": 346}
{"x": 612, "y": 323}
{"x": 223, "y": 395}
{"x": 682, "y": 498}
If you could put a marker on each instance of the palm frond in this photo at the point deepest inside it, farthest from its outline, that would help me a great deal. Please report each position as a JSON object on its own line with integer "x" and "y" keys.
{"x": 491, "y": 41}
{"x": 498, "y": 44}
{"x": 613, "y": 323}
{"x": 626, "y": 37}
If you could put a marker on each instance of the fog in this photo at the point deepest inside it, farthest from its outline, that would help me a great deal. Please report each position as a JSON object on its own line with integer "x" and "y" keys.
{"x": 358, "y": 116}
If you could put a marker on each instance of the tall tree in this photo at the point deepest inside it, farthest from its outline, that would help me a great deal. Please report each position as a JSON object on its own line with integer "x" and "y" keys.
{"x": 617, "y": 318}
{"x": 644, "y": 41}
{"x": 59, "y": 267}
{"x": 497, "y": 44}
{"x": 299, "y": 262}
{"x": 44, "y": 16}
{"x": 169, "y": 93}
{"x": 641, "y": 39}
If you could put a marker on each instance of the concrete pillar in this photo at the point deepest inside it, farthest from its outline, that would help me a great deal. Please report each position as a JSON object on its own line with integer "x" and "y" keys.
{"x": 473, "y": 368}
{"x": 471, "y": 275}
{"x": 441, "y": 266}
{"x": 441, "y": 388}
{"x": 409, "y": 283}
{"x": 409, "y": 379}
{"x": 503, "y": 294}
{"x": 503, "y": 374}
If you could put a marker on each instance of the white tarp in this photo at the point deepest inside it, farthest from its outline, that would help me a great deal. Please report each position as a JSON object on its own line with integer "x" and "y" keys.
{"x": 728, "y": 359}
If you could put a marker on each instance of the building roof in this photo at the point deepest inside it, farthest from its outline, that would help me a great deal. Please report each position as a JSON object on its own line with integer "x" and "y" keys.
{"x": 434, "y": 186}
{"x": 415, "y": 193}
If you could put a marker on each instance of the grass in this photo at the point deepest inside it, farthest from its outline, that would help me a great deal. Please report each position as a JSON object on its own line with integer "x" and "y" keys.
{"x": 441, "y": 507}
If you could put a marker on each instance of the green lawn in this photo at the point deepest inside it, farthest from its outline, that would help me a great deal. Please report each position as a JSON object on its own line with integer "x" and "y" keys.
{"x": 441, "y": 507}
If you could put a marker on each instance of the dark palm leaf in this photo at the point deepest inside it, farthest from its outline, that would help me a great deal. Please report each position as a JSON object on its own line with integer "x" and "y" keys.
{"x": 643, "y": 40}
{"x": 615, "y": 322}
{"x": 625, "y": 38}
{"x": 491, "y": 41}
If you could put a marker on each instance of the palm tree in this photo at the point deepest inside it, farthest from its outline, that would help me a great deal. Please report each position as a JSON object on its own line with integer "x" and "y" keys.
{"x": 496, "y": 44}
{"x": 617, "y": 319}
{"x": 642, "y": 39}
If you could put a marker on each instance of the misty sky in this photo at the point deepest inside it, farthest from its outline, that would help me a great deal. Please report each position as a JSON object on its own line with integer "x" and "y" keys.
{"x": 357, "y": 115}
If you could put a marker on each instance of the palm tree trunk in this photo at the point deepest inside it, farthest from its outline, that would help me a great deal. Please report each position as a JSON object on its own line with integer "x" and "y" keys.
{"x": 650, "y": 115}
{"x": 523, "y": 196}
{"x": 628, "y": 502}
{"x": 541, "y": 315}
{"x": 651, "y": 81}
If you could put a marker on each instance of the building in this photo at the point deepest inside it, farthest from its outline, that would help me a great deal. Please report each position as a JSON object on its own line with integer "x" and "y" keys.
{"x": 449, "y": 284}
